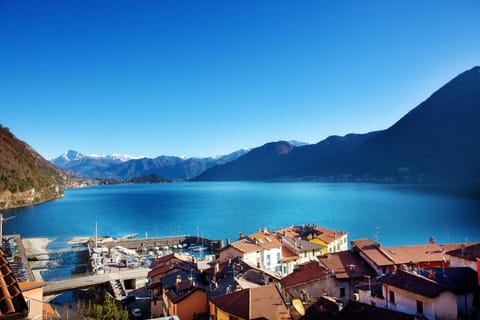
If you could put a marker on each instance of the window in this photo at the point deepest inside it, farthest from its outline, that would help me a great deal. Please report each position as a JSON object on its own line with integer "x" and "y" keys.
{"x": 342, "y": 292}
{"x": 279, "y": 257}
{"x": 268, "y": 260}
{"x": 419, "y": 307}
{"x": 391, "y": 295}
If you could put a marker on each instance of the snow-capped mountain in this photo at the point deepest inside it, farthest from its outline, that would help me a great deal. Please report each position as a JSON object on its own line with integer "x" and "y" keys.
{"x": 124, "y": 167}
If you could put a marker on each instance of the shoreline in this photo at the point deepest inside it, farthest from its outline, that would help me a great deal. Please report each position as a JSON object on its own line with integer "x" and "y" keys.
{"x": 37, "y": 247}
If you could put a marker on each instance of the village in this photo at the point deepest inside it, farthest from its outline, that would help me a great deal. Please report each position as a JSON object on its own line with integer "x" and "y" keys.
{"x": 298, "y": 272}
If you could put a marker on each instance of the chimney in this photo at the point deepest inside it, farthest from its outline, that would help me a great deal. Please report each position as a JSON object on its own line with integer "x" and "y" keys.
{"x": 265, "y": 231}
{"x": 240, "y": 235}
{"x": 228, "y": 241}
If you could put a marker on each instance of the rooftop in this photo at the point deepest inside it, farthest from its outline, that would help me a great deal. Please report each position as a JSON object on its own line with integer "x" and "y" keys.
{"x": 12, "y": 302}
{"x": 346, "y": 264}
{"x": 372, "y": 251}
{"x": 306, "y": 272}
{"x": 265, "y": 239}
{"x": 254, "y": 303}
{"x": 245, "y": 245}
{"x": 413, "y": 283}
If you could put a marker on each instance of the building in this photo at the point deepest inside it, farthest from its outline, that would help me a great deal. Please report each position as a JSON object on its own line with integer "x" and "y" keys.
{"x": 349, "y": 271}
{"x": 330, "y": 240}
{"x": 308, "y": 281}
{"x": 184, "y": 295}
{"x": 385, "y": 260}
{"x": 12, "y": 301}
{"x": 414, "y": 294}
{"x": 253, "y": 303}
{"x": 466, "y": 256}
{"x": 464, "y": 283}
{"x": 162, "y": 267}
{"x": 33, "y": 294}
{"x": 262, "y": 250}
{"x": 296, "y": 251}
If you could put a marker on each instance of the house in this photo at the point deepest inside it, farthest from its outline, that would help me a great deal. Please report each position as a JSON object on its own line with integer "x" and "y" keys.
{"x": 33, "y": 294}
{"x": 160, "y": 268}
{"x": 12, "y": 301}
{"x": 261, "y": 249}
{"x": 233, "y": 275}
{"x": 414, "y": 294}
{"x": 253, "y": 303}
{"x": 349, "y": 271}
{"x": 309, "y": 280}
{"x": 271, "y": 253}
{"x": 465, "y": 256}
{"x": 385, "y": 260}
{"x": 184, "y": 295}
{"x": 330, "y": 240}
{"x": 296, "y": 251}
{"x": 463, "y": 281}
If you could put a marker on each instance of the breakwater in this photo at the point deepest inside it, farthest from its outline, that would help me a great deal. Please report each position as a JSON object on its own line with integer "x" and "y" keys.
{"x": 171, "y": 242}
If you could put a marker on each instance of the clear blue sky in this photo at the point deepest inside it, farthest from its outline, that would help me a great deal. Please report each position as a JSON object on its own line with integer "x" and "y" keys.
{"x": 204, "y": 78}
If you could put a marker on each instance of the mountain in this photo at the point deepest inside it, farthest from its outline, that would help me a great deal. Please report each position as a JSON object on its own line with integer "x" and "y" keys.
{"x": 126, "y": 168}
{"x": 25, "y": 177}
{"x": 435, "y": 142}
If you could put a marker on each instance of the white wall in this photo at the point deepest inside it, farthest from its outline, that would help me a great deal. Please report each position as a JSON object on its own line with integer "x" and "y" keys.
{"x": 442, "y": 307}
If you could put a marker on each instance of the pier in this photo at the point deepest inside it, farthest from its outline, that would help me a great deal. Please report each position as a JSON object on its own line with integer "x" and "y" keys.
{"x": 148, "y": 243}
{"x": 60, "y": 286}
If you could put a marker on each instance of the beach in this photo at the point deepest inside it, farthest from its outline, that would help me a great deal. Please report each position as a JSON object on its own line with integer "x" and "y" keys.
{"x": 37, "y": 247}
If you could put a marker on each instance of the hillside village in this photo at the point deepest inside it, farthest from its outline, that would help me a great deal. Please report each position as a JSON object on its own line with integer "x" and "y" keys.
{"x": 307, "y": 272}
{"x": 299, "y": 272}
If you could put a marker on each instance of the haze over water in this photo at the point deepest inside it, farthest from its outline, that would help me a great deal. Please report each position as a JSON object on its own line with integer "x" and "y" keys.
{"x": 390, "y": 213}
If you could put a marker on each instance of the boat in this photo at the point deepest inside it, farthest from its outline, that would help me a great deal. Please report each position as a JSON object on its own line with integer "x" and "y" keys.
{"x": 198, "y": 248}
{"x": 130, "y": 236}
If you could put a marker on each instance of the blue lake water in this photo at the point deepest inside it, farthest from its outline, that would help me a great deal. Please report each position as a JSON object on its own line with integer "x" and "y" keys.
{"x": 390, "y": 213}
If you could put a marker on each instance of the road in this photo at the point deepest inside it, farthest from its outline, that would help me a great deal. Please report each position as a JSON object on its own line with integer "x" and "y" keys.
{"x": 59, "y": 286}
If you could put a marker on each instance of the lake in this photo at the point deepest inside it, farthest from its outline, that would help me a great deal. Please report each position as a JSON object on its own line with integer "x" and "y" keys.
{"x": 393, "y": 214}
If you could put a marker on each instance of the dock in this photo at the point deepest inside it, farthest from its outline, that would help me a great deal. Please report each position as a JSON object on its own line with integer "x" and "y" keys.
{"x": 81, "y": 282}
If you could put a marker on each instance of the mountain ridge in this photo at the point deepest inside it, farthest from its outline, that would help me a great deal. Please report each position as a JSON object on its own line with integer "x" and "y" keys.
{"x": 434, "y": 142}
{"x": 168, "y": 167}
{"x": 26, "y": 178}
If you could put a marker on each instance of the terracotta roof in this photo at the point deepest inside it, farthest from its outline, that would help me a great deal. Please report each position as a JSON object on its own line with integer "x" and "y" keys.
{"x": 12, "y": 302}
{"x": 253, "y": 303}
{"x": 346, "y": 264}
{"x": 397, "y": 255}
{"x": 413, "y": 283}
{"x": 288, "y": 255}
{"x": 169, "y": 267}
{"x": 265, "y": 239}
{"x": 327, "y": 235}
{"x": 372, "y": 251}
{"x": 420, "y": 253}
{"x": 245, "y": 245}
{"x": 306, "y": 272}
{"x": 171, "y": 257}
